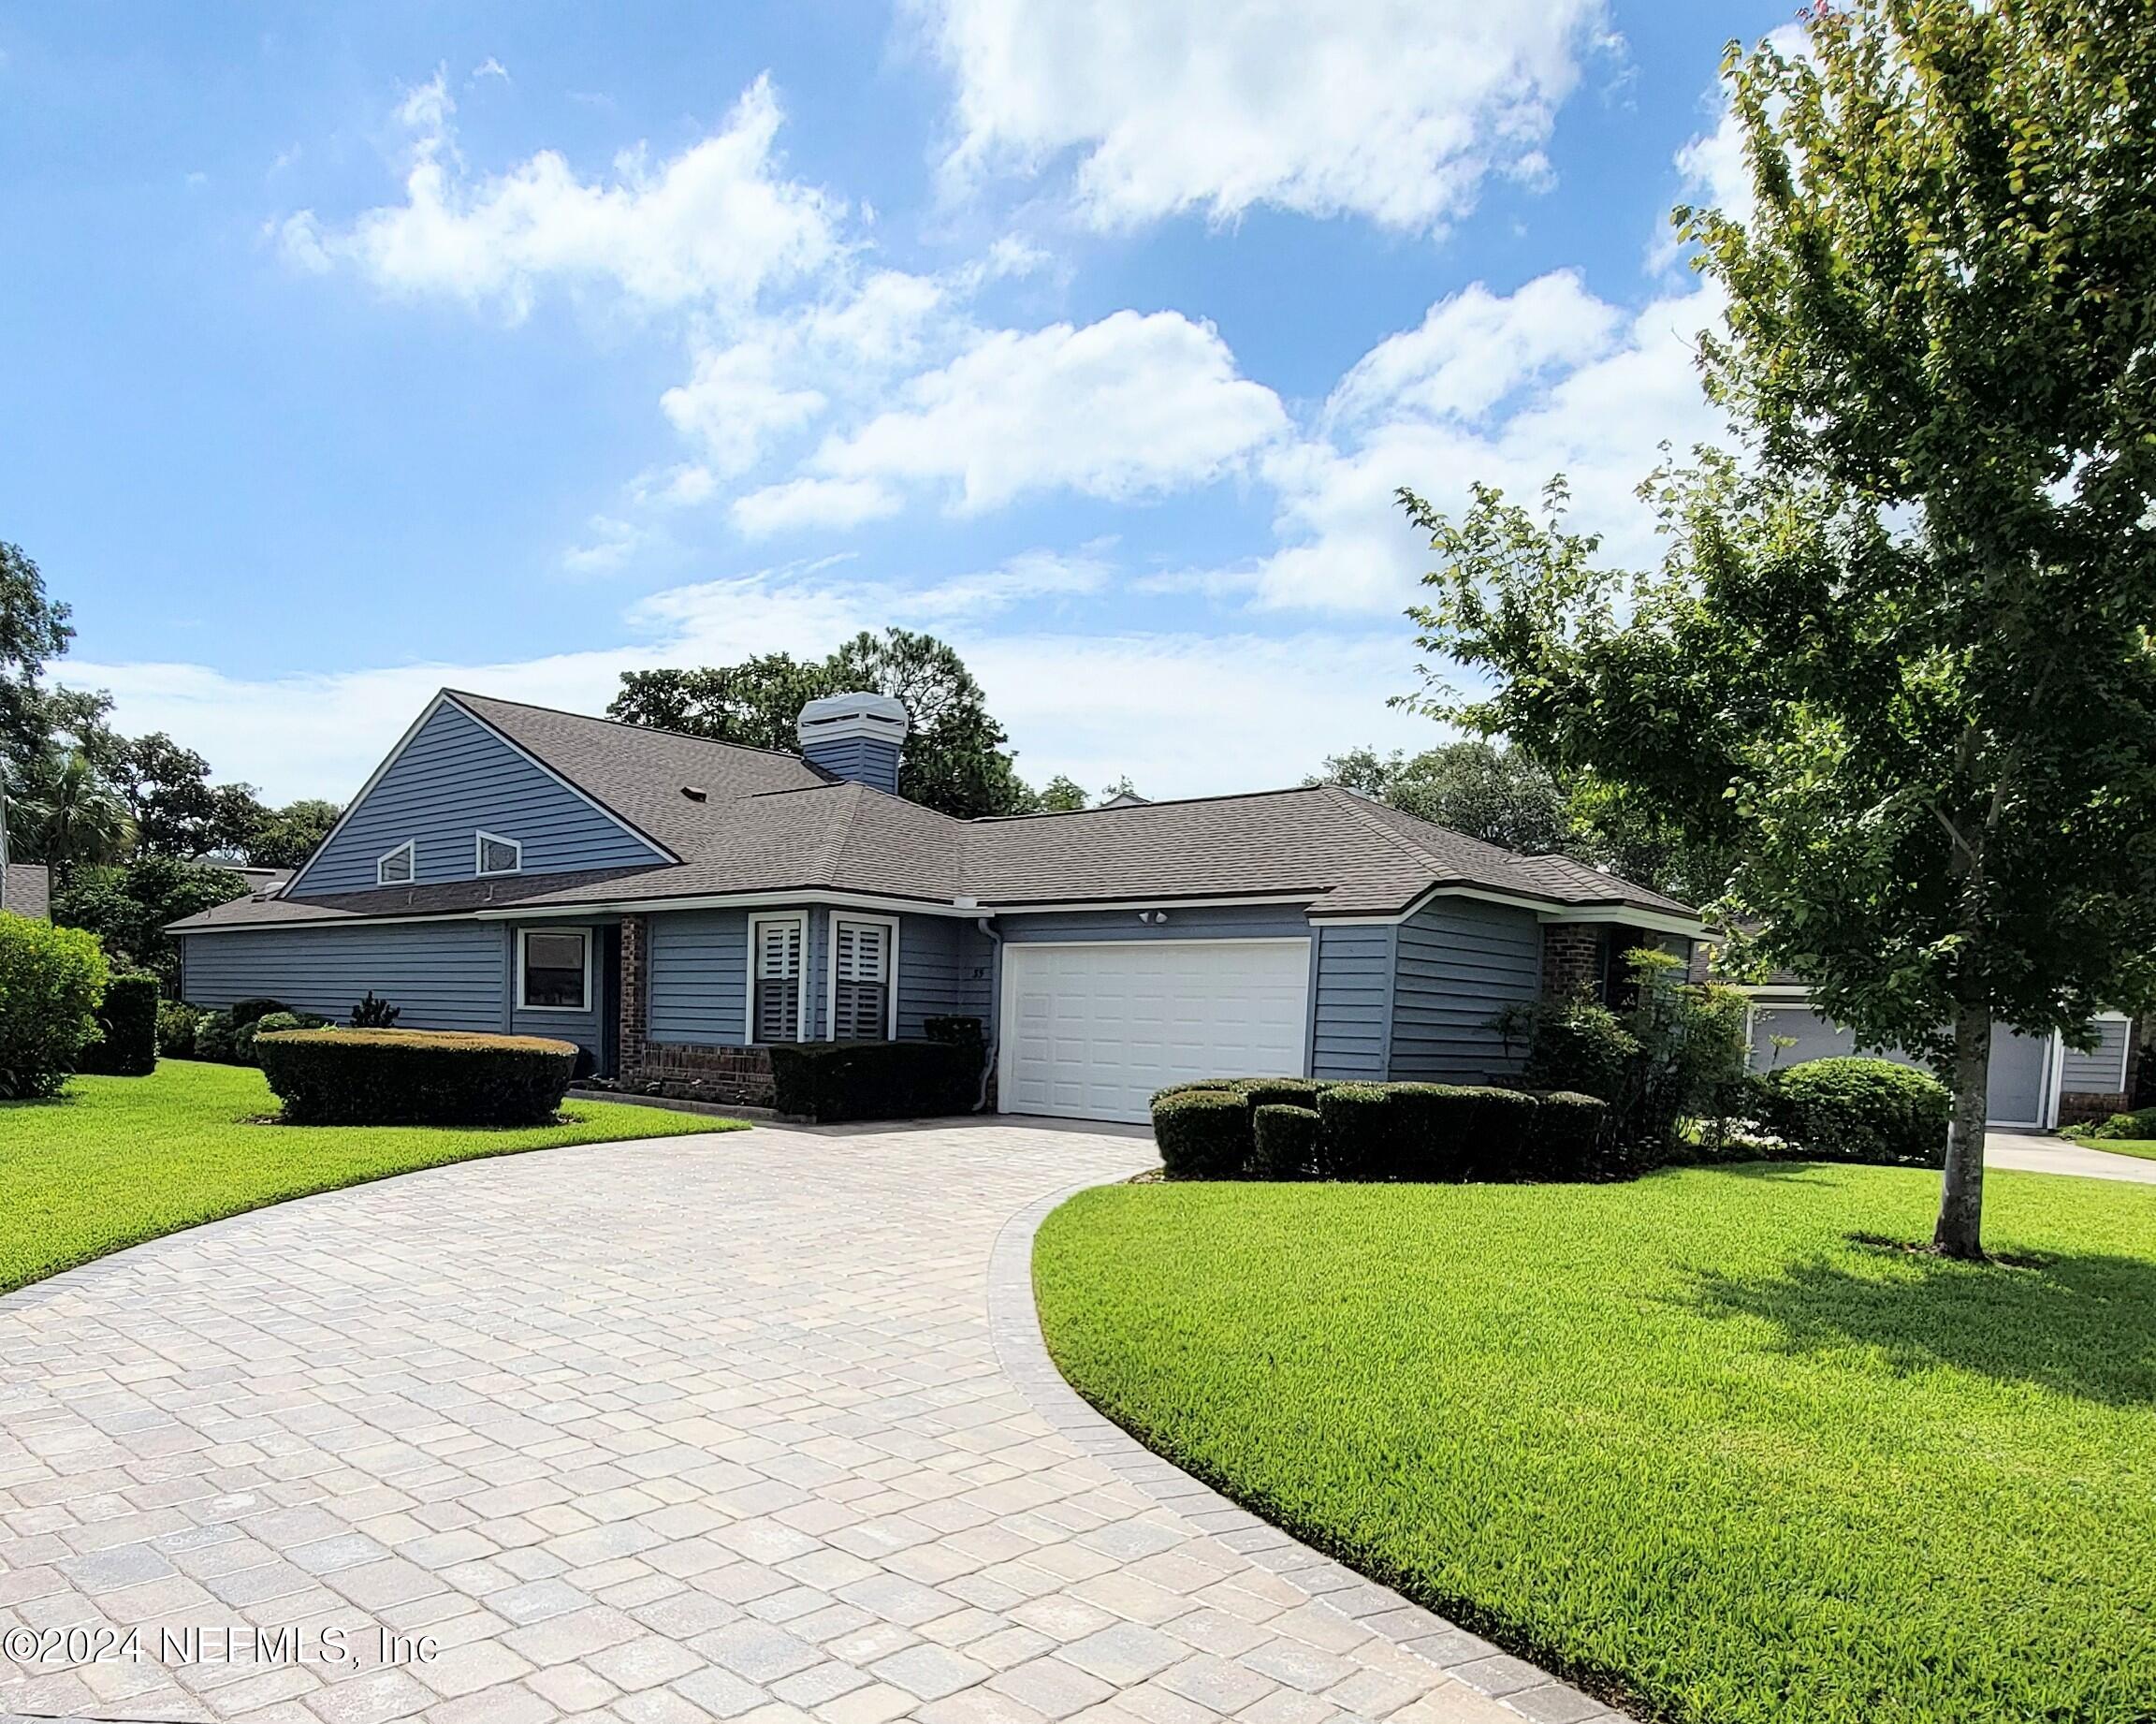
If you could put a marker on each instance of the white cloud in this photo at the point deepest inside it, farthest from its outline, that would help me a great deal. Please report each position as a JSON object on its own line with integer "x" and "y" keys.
{"x": 734, "y": 402}
{"x": 713, "y": 227}
{"x": 1392, "y": 109}
{"x": 813, "y": 503}
{"x": 1505, "y": 389}
{"x": 1131, "y": 406}
{"x": 612, "y": 545}
{"x": 1184, "y": 713}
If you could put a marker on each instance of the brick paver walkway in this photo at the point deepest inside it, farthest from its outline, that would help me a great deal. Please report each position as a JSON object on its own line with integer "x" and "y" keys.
{"x": 736, "y": 1427}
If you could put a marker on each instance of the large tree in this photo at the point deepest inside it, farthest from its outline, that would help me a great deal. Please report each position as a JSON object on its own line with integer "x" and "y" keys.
{"x": 34, "y": 631}
{"x": 128, "y": 908}
{"x": 287, "y": 837}
{"x": 1898, "y": 657}
{"x": 65, "y": 814}
{"x": 954, "y": 759}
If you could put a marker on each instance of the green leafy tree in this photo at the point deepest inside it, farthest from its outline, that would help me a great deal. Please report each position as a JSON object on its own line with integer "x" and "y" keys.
{"x": 1487, "y": 790}
{"x": 1897, "y": 661}
{"x": 287, "y": 837}
{"x": 954, "y": 759}
{"x": 168, "y": 796}
{"x": 34, "y": 631}
{"x": 1060, "y": 795}
{"x": 128, "y": 908}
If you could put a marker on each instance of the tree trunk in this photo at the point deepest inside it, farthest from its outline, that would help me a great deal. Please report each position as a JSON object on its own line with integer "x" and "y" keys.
{"x": 1960, "y": 1232}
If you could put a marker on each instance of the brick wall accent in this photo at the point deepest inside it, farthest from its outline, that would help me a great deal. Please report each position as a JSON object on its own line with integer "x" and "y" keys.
{"x": 2080, "y": 1107}
{"x": 1571, "y": 960}
{"x": 739, "y": 1075}
{"x": 636, "y": 948}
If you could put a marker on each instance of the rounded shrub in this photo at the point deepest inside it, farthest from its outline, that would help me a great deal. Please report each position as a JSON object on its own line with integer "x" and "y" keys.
{"x": 177, "y": 1022}
{"x": 127, "y": 1044}
{"x": 52, "y": 980}
{"x": 1433, "y": 1137}
{"x": 246, "y": 1011}
{"x": 1285, "y": 1141}
{"x": 1280, "y": 1091}
{"x": 1501, "y": 1141}
{"x": 1361, "y": 1131}
{"x": 215, "y": 1038}
{"x": 1852, "y": 1109}
{"x": 414, "y": 1076}
{"x": 1566, "y": 1141}
{"x": 1203, "y": 1134}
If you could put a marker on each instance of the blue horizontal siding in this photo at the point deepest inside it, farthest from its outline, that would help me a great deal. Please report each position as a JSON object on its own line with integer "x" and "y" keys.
{"x": 456, "y": 780}
{"x": 697, "y": 976}
{"x": 942, "y": 972}
{"x": 440, "y": 975}
{"x": 859, "y": 758}
{"x": 2102, "y": 1071}
{"x": 1351, "y": 1005}
{"x": 1457, "y": 964}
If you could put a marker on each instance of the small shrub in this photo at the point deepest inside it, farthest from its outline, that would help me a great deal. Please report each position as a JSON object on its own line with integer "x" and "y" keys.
{"x": 1849, "y": 1109}
{"x": 1280, "y": 1093}
{"x": 1565, "y": 1136}
{"x": 1433, "y": 1141}
{"x": 2120, "y": 1127}
{"x": 269, "y": 1023}
{"x": 1361, "y": 1131}
{"x": 214, "y": 1037}
{"x": 1204, "y": 1133}
{"x": 373, "y": 1014}
{"x": 832, "y": 1081}
{"x": 957, "y": 1028}
{"x": 52, "y": 980}
{"x": 414, "y": 1076}
{"x": 177, "y": 1022}
{"x": 1285, "y": 1141}
{"x": 246, "y": 1012}
{"x": 1212, "y": 1084}
{"x": 127, "y": 1044}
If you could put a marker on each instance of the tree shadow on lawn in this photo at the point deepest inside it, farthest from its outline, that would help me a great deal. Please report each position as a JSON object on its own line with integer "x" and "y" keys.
{"x": 2080, "y": 1324}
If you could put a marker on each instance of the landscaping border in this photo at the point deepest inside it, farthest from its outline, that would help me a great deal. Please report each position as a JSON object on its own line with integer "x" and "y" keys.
{"x": 1015, "y": 1329}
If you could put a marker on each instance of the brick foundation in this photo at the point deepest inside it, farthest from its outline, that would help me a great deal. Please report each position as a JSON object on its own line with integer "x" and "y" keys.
{"x": 2080, "y": 1107}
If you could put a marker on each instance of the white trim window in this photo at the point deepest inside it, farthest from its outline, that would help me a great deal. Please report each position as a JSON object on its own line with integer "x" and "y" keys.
{"x": 399, "y": 867}
{"x": 864, "y": 983}
{"x": 778, "y": 978}
{"x": 554, "y": 970}
{"x": 491, "y": 854}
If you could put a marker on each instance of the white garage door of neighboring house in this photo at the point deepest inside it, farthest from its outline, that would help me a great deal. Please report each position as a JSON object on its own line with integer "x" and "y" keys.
{"x": 1091, "y": 1031}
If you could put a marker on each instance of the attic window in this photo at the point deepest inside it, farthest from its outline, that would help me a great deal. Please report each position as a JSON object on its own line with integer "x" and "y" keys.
{"x": 696, "y": 793}
{"x": 496, "y": 855}
{"x": 395, "y": 868}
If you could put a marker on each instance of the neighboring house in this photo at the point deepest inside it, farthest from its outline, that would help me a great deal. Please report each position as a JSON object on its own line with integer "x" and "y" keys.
{"x": 26, "y": 890}
{"x": 674, "y": 905}
{"x": 2036, "y": 1080}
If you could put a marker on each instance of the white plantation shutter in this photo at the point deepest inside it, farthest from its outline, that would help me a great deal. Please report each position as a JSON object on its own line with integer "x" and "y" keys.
{"x": 861, "y": 998}
{"x": 777, "y": 1013}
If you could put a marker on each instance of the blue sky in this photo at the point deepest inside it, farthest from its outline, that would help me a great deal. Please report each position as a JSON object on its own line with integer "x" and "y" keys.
{"x": 348, "y": 352}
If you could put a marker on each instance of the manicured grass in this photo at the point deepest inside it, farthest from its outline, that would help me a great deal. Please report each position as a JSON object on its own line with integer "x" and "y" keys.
{"x": 114, "y": 1161}
{"x": 1685, "y": 1439}
{"x": 2142, "y": 1146}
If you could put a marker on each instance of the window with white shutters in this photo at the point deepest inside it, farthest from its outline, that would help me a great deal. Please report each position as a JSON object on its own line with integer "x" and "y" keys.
{"x": 861, "y": 981}
{"x": 775, "y": 992}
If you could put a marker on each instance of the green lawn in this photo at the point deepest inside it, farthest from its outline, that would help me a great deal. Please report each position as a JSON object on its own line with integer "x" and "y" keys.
{"x": 114, "y": 1161}
{"x": 1685, "y": 1439}
{"x": 2142, "y": 1146}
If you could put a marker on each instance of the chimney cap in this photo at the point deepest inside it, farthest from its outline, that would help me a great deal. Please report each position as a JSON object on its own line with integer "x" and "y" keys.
{"x": 835, "y": 717}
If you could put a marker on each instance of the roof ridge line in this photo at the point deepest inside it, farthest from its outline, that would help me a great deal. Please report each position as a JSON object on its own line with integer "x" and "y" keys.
{"x": 1399, "y": 840}
{"x": 647, "y": 730}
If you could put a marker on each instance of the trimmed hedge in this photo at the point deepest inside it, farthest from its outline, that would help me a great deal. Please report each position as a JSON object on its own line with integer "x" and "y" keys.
{"x": 1568, "y": 1136}
{"x": 828, "y": 1082}
{"x": 127, "y": 1044}
{"x": 1204, "y": 1133}
{"x": 414, "y": 1076}
{"x": 1852, "y": 1109}
{"x": 1285, "y": 1140}
{"x": 1362, "y": 1128}
{"x": 51, "y": 981}
{"x": 246, "y": 1012}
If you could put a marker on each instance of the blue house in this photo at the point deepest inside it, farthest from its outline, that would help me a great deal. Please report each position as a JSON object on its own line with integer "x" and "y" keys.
{"x": 675, "y": 906}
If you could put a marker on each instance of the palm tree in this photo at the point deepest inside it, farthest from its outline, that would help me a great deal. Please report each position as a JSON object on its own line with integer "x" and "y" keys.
{"x": 67, "y": 815}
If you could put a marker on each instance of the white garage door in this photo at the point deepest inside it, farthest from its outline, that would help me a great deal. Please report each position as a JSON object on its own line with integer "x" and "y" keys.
{"x": 1091, "y": 1031}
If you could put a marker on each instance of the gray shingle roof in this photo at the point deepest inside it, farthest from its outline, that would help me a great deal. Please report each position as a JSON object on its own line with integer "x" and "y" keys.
{"x": 29, "y": 889}
{"x": 771, "y": 823}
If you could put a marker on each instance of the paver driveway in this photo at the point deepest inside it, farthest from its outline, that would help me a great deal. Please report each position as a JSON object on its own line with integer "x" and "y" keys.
{"x": 732, "y": 1426}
